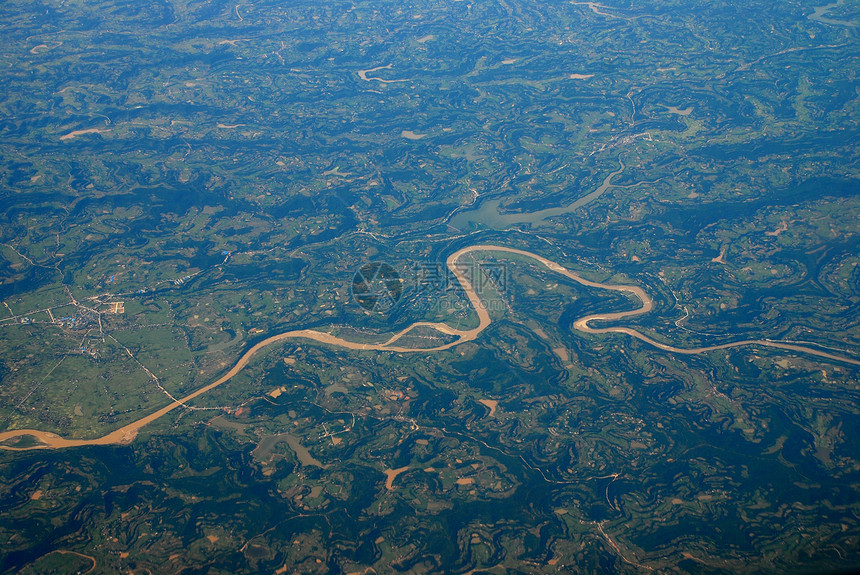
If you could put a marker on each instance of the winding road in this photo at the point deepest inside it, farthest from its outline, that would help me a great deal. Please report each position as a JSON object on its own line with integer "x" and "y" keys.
{"x": 127, "y": 433}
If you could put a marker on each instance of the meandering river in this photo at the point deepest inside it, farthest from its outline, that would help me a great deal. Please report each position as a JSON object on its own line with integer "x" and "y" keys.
{"x": 489, "y": 215}
{"x": 127, "y": 433}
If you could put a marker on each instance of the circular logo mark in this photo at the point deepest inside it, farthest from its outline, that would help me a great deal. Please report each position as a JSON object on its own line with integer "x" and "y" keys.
{"x": 376, "y": 287}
